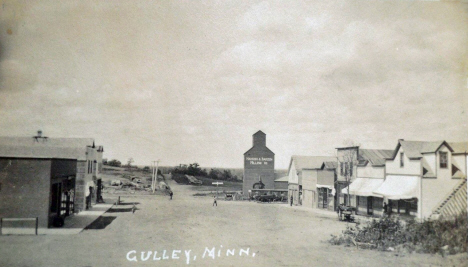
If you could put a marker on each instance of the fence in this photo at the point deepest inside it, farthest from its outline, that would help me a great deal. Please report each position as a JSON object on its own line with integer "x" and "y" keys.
{"x": 16, "y": 226}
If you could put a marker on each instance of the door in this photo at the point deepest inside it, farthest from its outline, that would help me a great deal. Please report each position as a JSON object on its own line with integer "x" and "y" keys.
{"x": 325, "y": 198}
{"x": 55, "y": 202}
{"x": 370, "y": 209}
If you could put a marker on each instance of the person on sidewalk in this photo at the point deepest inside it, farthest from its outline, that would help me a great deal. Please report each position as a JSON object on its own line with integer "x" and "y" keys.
{"x": 214, "y": 201}
{"x": 171, "y": 194}
{"x": 291, "y": 200}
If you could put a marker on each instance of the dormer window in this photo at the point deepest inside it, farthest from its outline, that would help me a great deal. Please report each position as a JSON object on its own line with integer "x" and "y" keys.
{"x": 402, "y": 161}
{"x": 443, "y": 159}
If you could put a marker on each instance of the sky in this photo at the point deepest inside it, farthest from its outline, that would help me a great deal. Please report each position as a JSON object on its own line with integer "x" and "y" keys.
{"x": 192, "y": 81}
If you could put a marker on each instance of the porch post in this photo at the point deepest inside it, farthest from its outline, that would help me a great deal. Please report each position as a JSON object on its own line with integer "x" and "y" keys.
{"x": 420, "y": 198}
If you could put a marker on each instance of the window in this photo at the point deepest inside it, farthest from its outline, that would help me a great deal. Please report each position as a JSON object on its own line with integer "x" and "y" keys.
{"x": 341, "y": 168}
{"x": 402, "y": 160}
{"x": 351, "y": 169}
{"x": 443, "y": 159}
{"x": 346, "y": 168}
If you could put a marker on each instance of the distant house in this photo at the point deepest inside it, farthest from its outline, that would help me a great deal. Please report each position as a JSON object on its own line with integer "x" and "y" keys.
{"x": 370, "y": 174}
{"x": 281, "y": 183}
{"x": 421, "y": 176}
{"x": 307, "y": 171}
{"x": 57, "y": 176}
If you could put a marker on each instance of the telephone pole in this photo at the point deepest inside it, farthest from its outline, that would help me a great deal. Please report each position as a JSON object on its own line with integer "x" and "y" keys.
{"x": 155, "y": 174}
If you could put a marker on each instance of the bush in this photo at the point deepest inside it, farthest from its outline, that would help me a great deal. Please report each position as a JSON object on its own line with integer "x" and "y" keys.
{"x": 445, "y": 237}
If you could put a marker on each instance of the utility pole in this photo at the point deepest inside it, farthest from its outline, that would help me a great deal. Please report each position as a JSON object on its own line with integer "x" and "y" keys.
{"x": 155, "y": 174}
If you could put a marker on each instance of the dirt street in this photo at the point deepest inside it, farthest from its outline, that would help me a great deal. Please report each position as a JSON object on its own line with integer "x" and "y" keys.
{"x": 241, "y": 233}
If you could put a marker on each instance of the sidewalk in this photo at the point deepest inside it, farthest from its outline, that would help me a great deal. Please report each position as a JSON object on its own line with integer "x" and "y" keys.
{"x": 76, "y": 223}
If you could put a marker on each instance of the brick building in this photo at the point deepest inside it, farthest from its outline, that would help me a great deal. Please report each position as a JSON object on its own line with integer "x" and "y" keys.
{"x": 259, "y": 165}
{"x": 63, "y": 170}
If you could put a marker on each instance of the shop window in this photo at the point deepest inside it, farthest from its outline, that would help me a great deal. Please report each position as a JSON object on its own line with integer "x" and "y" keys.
{"x": 443, "y": 159}
{"x": 402, "y": 159}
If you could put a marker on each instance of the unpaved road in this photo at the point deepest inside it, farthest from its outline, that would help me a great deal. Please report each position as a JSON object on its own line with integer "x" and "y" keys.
{"x": 278, "y": 235}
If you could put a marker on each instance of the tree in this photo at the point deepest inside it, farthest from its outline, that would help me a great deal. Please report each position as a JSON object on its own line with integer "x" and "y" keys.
{"x": 146, "y": 169}
{"x": 129, "y": 162}
{"x": 114, "y": 163}
{"x": 348, "y": 159}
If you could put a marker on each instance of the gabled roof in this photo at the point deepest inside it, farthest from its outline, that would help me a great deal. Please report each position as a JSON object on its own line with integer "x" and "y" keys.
{"x": 259, "y": 132}
{"x": 459, "y": 147}
{"x": 309, "y": 162}
{"x": 257, "y": 147}
{"x": 375, "y": 156}
{"x": 415, "y": 149}
{"x": 282, "y": 179}
{"x": 330, "y": 164}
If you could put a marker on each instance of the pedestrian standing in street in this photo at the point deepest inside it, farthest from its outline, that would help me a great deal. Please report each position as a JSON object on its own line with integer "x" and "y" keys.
{"x": 385, "y": 208}
{"x": 133, "y": 208}
{"x": 171, "y": 194}
{"x": 291, "y": 200}
{"x": 214, "y": 201}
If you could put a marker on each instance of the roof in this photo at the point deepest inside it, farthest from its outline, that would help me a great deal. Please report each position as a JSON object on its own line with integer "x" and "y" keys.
{"x": 459, "y": 147}
{"x": 309, "y": 162}
{"x": 375, "y": 156}
{"x": 282, "y": 179}
{"x": 32, "y": 147}
{"x": 330, "y": 164}
{"x": 263, "y": 147}
{"x": 415, "y": 149}
{"x": 259, "y": 132}
{"x": 43, "y": 152}
{"x": 57, "y": 142}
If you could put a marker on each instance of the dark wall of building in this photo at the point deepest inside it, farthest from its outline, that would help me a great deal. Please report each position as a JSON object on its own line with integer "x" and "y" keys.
{"x": 281, "y": 185}
{"x": 25, "y": 189}
{"x": 259, "y": 162}
{"x": 63, "y": 168}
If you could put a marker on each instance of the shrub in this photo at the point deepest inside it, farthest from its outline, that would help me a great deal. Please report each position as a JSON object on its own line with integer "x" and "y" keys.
{"x": 441, "y": 236}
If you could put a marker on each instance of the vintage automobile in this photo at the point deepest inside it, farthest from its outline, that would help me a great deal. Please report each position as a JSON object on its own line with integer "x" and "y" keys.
{"x": 266, "y": 198}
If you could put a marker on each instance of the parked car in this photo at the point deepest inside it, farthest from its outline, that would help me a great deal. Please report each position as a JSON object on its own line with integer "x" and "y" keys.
{"x": 266, "y": 198}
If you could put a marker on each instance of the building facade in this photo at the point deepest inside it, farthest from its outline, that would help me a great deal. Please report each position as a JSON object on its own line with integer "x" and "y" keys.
{"x": 259, "y": 165}
{"x": 304, "y": 176}
{"x": 347, "y": 158}
{"x": 88, "y": 167}
{"x": 370, "y": 174}
{"x": 419, "y": 177}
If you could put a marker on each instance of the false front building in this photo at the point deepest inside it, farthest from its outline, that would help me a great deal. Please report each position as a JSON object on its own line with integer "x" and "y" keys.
{"x": 259, "y": 166}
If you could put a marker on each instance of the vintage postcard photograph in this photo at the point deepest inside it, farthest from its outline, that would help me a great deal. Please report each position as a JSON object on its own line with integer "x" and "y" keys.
{"x": 233, "y": 133}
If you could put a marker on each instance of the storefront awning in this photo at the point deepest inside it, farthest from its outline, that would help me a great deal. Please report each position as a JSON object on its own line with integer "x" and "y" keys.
{"x": 399, "y": 187}
{"x": 325, "y": 186}
{"x": 363, "y": 187}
